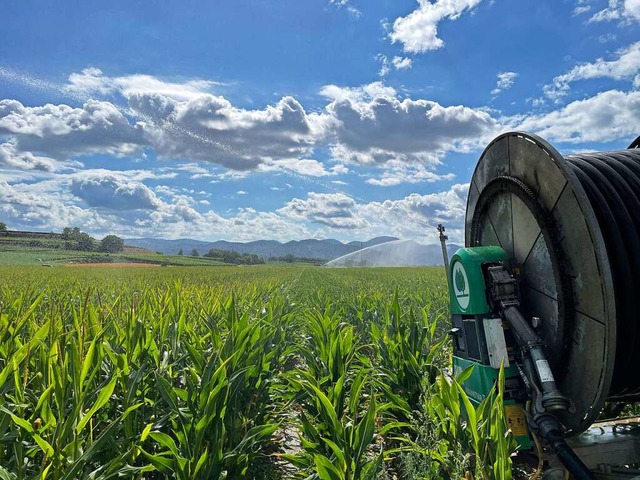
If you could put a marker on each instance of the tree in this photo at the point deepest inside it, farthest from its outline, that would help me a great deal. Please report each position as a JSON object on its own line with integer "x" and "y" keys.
{"x": 180, "y": 252}
{"x": 111, "y": 244}
{"x": 86, "y": 243}
{"x": 195, "y": 252}
{"x": 3, "y": 227}
{"x": 77, "y": 240}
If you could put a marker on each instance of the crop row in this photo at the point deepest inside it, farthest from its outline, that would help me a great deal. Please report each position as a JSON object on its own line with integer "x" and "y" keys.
{"x": 235, "y": 373}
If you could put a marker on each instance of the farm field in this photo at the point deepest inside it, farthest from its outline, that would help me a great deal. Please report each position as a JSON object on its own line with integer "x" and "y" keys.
{"x": 262, "y": 372}
{"x": 24, "y": 255}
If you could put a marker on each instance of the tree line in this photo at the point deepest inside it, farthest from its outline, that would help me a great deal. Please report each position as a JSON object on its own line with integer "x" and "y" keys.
{"x": 75, "y": 239}
{"x": 236, "y": 258}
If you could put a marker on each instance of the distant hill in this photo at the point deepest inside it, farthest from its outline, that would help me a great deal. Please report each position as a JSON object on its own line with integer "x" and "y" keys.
{"x": 322, "y": 249}
{"x": 398, "y": 253}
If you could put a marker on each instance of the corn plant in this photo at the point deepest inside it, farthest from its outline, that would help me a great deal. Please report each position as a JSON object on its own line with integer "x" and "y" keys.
{"x": 192, "y": 373}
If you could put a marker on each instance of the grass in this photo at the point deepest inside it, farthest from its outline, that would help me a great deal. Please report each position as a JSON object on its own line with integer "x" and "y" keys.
{"x": 198, "y": 372}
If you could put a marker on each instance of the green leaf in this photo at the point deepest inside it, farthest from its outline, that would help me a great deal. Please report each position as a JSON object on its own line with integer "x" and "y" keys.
{"x": 325, "y": 469}
{"x": 162, "y": 464}
{"x": 145, "y": 432}
{"x": 166, "y": 441}
{"x": 103, "y": 398}
{"x": 44, "y": 445}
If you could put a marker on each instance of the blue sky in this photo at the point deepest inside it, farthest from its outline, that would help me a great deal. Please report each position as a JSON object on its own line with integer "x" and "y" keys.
{"x": 289, "y": 119}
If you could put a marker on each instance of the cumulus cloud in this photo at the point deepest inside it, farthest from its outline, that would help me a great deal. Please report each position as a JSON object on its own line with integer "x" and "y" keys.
{"x": 114, "y": 193}
{"x": 331, "y": 209}
{"x": 370, "y": 124}
{"x": 399, "y": 63}
{"x": 52, "y": 204}
{"x": 306, "y": 167}
{"x": 418, "y": 31}
{"x": 91, "y": 81}
{"x": 607, "y": 116}
{"x": 211, "y": 129}
{"x": 625, "y": 66}
{"x": 13, "y": 158}
{"x": 373, "y": 126}
{"x": 447, "y": 207}
{"x": 402, "y": 63}
{"x": 625, "y": 11}
{"x": 505, "y": 82}
{"x": 61, "y": 131}
{"x": 409, "y": 217}
{"x": 47, "y": 205}
{"x": 398, "y": 172}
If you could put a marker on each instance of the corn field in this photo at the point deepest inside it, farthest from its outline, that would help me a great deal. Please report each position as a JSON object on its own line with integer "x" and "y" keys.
{"x": 225, "y": 373}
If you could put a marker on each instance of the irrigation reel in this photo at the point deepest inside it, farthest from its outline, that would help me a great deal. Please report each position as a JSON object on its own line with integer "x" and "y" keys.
{"x": 547, "y": 287}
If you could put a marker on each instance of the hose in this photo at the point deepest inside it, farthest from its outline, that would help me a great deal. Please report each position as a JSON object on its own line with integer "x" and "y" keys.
{"x": 611, "y": 181}
{"x": 551, "y": 431}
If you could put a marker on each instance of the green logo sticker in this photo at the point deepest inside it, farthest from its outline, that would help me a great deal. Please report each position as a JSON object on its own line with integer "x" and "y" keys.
{"x": 460, "y": 283}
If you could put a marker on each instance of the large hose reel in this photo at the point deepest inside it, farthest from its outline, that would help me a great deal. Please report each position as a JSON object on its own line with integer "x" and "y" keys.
{"x": 572, "y": 227}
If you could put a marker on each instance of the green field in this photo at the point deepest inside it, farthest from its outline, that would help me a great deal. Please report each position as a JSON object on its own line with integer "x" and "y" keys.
{"x": 11, "y": 254}
{"x": 235, "y": 372}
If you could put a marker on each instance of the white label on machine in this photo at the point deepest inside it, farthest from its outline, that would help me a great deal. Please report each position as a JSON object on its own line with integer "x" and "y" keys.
{"x": 544, "y": 371}
{"x": 496, "y": 345}
{"x": 460, "y": 285}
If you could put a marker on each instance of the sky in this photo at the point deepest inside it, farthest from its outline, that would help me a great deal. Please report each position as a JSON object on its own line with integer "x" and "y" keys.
{"x": 262, "y": 119}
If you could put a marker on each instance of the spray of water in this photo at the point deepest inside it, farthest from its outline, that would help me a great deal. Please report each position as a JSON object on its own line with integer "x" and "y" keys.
{"x": 399, "y": 253}
{"x": 12, "y": 76}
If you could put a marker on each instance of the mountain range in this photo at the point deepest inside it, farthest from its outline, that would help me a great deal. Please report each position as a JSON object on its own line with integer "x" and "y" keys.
{"x": 309, "y": 248}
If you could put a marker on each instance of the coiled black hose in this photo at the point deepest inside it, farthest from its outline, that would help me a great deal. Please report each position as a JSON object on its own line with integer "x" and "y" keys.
{"x": 611, "y": 181}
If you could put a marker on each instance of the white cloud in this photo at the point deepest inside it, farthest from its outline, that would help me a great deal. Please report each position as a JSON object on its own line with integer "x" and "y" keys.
{"x": 402, "y": 63}
{"x": 606, "y": 38}
{"x": 209, "y": 128}
{"x": 50, "y": 205}
{"x": 625, "y": 66}
{"x": 370, "y": 124}
{"x": 334, "y": 210}
{"x": 408, "y": 217}
{"x": 11, "y": 157}
{"x": 447, "y": 207}
{"x": 580, "y": 9}
{"x": 92, "y": 81}
{"x": 607, "y": 116}
{"x": 418, "y": 31}
{"x": 61, "y": 131}
{"x": 115, "y": 193}
{"x": 384, "y": 65}
{"x": 373, "y": 126}
{"x": 346, "y": 4}
{"x": 626, "y": 11}
{"x": 241, "y": 192}
{"x": 358, "y": 94}
{"x": 47, "y": 205}
{"x": 505, "y": 81}
{"x": 398, "y": 172}
{"x": 307, "y": 167}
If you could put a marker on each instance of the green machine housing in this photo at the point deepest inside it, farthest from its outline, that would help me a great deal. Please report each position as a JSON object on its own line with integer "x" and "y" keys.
{"x": 482, "y": 338}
